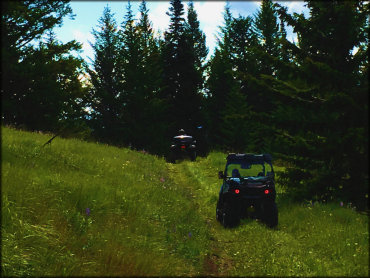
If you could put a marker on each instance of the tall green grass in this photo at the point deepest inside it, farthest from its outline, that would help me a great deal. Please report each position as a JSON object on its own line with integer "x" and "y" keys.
{"x": 310, "y": 240}
{"x": 76, "y": 208}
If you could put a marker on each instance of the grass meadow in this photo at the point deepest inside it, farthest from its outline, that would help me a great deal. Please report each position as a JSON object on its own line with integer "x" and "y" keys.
{"x": 74, "y": 208}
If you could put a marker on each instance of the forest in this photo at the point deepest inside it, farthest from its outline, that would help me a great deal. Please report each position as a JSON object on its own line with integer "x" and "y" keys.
{"x": 305, "y": 102}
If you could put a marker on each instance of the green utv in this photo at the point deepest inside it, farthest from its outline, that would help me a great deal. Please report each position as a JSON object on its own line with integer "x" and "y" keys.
{"x": 248, "y": 190}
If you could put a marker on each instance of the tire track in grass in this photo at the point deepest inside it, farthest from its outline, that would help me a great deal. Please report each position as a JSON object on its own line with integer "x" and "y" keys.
{"x": 251, "y": 249}
{"x": 229, "y": 249}
{"x": 216, "y": 261}
{"x": 180, "y": 178}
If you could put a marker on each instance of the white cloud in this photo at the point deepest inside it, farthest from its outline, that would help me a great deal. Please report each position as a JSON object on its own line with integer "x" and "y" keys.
{"x": 81, "y": 36}
{"x": 210, "y": 12}
{"x": 210, "y": 16}
{"x": 158, "y": 15}
{"x": 84, "y": 38}
{"x": 295, "y": 7}
{"x": 257, "y": 3}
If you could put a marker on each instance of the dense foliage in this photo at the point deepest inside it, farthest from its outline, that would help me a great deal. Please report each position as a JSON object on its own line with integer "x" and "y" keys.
{"x": 40, "y": 78}
{"x": 306, "y": 101}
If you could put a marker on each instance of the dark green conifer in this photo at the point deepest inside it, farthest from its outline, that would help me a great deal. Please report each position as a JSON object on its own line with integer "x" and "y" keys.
{"x": 40, "y": 78}
{"x": 105, "y": 79}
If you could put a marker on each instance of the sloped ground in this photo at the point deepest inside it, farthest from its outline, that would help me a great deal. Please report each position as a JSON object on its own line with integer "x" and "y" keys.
{"x": 76, "y": 208}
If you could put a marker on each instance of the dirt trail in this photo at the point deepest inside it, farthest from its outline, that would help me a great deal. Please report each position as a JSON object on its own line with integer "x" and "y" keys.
{"x": 216, "y": 262}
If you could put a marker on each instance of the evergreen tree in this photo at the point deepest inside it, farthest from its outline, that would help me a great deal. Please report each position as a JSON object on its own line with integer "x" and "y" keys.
{"x": 153, "y": 108}
{"x": 142, "y": 80}
{"x": 26, "y": 21}
{"x": 223, "y": 40}
{"x": 243, "y": 45}
{"x": 40, "y": 85}
{"x": 55, "y": 96}
{"x": 322, "y": 112}
{"x": 235, "y": 122}
{"x": 150, "y": 49}
{"x": 267, "y": 30}
{"x": 182, "y": 80}
{"x": 197, "y": 39}
{"x": 220, "y": 81}
{"x": 233, "y": 93}
{"x": 130, "y": 67}
{"x": 173, "y": 41}
{"x": 106, "y": 81}
{"x": 257, "y": 53}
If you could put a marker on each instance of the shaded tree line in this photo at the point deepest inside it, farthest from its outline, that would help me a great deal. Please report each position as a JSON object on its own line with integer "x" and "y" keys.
{"x": 306, "y": 102}
{"x": 40, "y": 86}
{"x": 144, "y": 87}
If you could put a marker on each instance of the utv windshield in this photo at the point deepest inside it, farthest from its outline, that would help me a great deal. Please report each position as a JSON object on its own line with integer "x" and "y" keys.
{"x": 244, "y": 170}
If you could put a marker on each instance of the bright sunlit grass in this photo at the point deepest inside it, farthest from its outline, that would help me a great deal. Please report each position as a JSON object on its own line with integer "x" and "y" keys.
{"x": 76, "y": 208}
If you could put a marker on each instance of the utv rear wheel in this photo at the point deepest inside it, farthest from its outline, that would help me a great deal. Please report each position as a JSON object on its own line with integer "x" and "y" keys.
{"x": 229, "y": 216}
{"x": 171, "y": 158}
{"x": 193, "y": 155}
{"x": 270, "y": 214}
{"x": 218, "y": 212}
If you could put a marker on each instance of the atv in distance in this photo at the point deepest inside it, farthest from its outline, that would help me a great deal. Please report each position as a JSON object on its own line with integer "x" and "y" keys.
{"x": 248, "y": 190}
{"x": 182, "y": 146}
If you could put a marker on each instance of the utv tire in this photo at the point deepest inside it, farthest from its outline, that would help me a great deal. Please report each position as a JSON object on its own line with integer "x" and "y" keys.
{"x": 171, "y": 158}
{"x": 270, "y": 214}
{"x": 229, "y": 216}
{"x": 193, "y": 156}
{"x": 218, "y": 212}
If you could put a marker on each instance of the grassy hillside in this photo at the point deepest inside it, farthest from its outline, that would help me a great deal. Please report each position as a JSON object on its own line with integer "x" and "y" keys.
{"x": 76, "y": 208}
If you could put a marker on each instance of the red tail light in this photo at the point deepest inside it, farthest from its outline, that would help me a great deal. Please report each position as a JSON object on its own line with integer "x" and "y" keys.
{"x": 182, "y": 147}
{"x": 237, "y": 191}
{"x": 267, "y": 191}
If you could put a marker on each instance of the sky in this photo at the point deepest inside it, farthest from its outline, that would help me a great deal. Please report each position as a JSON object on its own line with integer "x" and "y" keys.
{"x": 210, "y": 16}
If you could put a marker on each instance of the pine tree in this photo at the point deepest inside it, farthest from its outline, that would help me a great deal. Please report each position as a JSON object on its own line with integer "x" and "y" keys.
{"x": 267, "y": 29}
{"x": 130, "y": 65}
{"x": 150, "y": 54}
{"x": 243, "y": 44}
{"x": 154, "y": 122}
{"x": 223, "y": 40}
{"x": 182, "y": 79}
{"x": 27, "y": 21}
{"x": 235, "y": 123}
{"x": 233, "y": 71}
{"x": 173, "y": 40}
{"x": 322, "y": 112}
{"x": 196, "y": 38}
{"x": 144, "y": 73}
{"x": 40, "y": 86}
{"x": 220, "y": 81}
{"x": 130, "y": 56}
{"x": 106, "y": 81}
